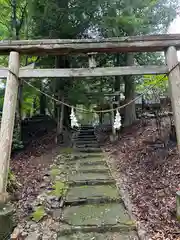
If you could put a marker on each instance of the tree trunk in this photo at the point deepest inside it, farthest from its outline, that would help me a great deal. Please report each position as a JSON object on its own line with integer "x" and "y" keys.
{"x": 130, "y": 110}
{"x": 60, "y": 85}
{"x": 34, "y": 106}
{"x": 117, "y": 83}
{"x": 101, "y": 118}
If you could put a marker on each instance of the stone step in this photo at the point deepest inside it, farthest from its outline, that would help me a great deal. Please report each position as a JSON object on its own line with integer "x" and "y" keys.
{"x": 106, "y": 192}
{"x": 86, "y": 127}
{"x": 94, "y": 162}
{"x": 87, "y": 137}
{"x": 90, "y": 132}
{"x": 96, "y": 215}
{"x": 86, "y": 142}
{"x": 91, "y": 200}
{"x": 89, "y": 150}
{"x": 83, "y": 161}
{"x": 78, "y": 155}
{"x": 79, "y": 169}
{"x": 67, "y": 229}
{"x": 87, "y": 147}
{"x": 88, "y": 176}
{"x": 92, "y": 182}
{"x": 91, "y": 168}
{"x": 131, "y": 235}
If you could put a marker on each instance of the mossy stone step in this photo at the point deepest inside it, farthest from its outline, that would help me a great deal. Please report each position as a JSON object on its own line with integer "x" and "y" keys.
{"x": 86, "y": 138}
{"x": 93, "y": 162}
{"x": 81, "y": 142}
{"x": 87, "y": 145}
{"x": 90, "y": 134}
{"x": 92, "y": 192}
{"x": 91, "y": 168}
{"x": 83, "y": 165}
{"x": 92, "y": 182}
{"x": 67, "y": 230}
{"x": 77, "y": 168}
{"x": 84, "y": 162}
{"x": 78, "y": 176}
{"x": 88, "y": 150}
{"x": 96, "y": 214}
{"x": 100, "y": 236}
{"x": 87, "y": 155}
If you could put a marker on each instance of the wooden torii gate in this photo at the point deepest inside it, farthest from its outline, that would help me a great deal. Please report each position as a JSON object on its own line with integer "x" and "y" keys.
{"x": 166, "y": 43}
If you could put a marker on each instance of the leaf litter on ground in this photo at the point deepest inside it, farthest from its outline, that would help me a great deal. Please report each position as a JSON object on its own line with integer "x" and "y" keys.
{"x": 152, "y": 178}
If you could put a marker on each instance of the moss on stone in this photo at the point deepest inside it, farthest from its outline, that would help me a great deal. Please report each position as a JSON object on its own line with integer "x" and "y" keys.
{"x": 38, "y": 214}
{"x": 59, "y": 189}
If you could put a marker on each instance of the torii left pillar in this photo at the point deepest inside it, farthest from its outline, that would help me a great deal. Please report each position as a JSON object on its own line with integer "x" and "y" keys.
{"x": 6, "y": 135}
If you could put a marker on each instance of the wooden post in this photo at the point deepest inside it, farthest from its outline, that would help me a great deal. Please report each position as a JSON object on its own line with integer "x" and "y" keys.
{"x": 61, "y": 117}
{"x": 7, "y": 121}
{"x": 174, "y": 85}
{"x": 59, "y": 135}
{"x": 113, "y": 137}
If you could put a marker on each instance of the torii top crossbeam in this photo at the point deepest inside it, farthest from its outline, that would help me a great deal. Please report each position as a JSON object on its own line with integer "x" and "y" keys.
{"x": 150, "y": 43}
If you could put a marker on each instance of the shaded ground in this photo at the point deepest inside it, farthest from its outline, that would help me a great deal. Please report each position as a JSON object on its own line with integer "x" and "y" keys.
{"x": 29, "y": 167}
{"x": 150, "y": 174}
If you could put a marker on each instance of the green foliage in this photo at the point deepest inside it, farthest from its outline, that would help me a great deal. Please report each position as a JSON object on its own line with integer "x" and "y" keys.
{"x": 158, "y": 83}
{"x": 54, "y": 172}
{"x": 98, "y": 18}
{"x": 12, "y": 182}
{"x": 59, "y": 189}
{"x": 17, "y": 143}
{"x": 38, "y": 214}
{"x": 66, "y": 150}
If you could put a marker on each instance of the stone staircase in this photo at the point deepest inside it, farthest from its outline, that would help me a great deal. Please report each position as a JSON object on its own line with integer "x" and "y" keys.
{"x": 93, "y": 208}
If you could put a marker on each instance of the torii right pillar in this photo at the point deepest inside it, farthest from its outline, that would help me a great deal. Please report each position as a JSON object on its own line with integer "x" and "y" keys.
{"x": 174, "y": 85}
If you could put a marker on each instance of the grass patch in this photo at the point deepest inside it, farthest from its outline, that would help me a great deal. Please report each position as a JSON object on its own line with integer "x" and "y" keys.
{"x": 38, "y": 214}
{"x": 67, "y": 150}
{"x": 54, "y": 172}
{"x": 59, "y": 189}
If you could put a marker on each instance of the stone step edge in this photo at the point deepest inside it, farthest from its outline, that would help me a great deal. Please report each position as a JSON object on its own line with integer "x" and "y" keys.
{"x": 85, "y": 139}
{"x": 93, "y": 200}
{"x": 85, "y": 151}
{"x": 83, "y": 161}
{"x": 84, "y": 164}
{"x": 121, "y": 228}
{"x": 82, "y": 156}
{"x": 91, "y": 182}
{"x": 105, "y": 170}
